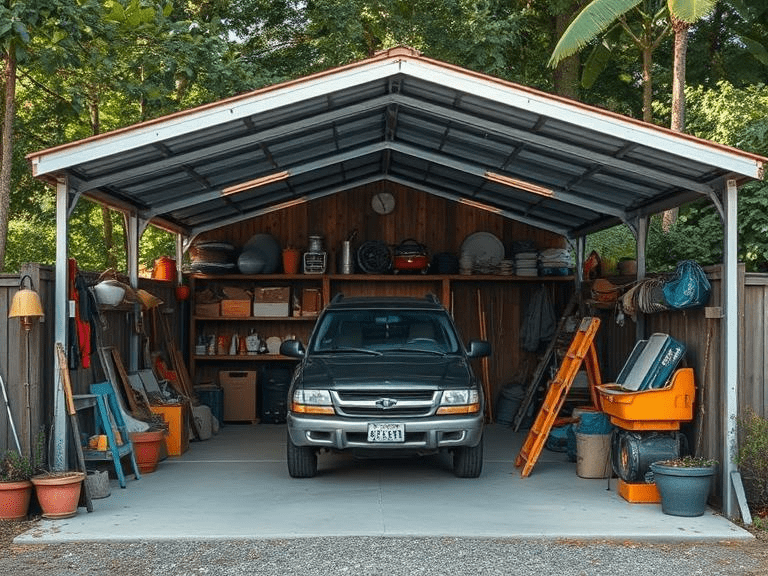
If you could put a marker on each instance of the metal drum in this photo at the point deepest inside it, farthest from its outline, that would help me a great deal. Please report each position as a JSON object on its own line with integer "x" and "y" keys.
{"x": 634, "y": 452}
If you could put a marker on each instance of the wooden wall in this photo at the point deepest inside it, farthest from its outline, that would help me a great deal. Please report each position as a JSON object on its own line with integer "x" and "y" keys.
{"x": 440, "y": 224}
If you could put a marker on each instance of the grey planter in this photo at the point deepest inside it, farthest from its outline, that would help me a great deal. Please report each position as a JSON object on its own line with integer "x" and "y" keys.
{"x": 683, "y": 490}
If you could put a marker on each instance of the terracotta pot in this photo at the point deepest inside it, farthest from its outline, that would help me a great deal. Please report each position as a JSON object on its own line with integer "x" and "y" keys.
{"x": 146, "y": 448}
{"x": 182, "y": 292}
{"x": 58, "y": 493}
{"x": 14, "y": 499}
{"x": 291, "y": 260}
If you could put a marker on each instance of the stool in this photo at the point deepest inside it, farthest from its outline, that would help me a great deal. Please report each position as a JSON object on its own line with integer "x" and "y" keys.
{"x": 109, "y": 420}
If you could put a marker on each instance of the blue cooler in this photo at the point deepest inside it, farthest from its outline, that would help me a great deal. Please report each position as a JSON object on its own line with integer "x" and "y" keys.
{"x": 651, "y": 363}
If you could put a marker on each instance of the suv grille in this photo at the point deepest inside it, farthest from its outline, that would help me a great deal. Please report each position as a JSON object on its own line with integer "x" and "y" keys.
{"x": 386, "y": 403}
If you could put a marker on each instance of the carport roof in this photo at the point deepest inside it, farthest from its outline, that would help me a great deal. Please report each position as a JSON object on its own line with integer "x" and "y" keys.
{"x": 400, "y": 117}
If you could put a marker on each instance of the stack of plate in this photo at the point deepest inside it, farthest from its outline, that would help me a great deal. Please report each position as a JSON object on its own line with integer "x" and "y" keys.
{"x": 527, "y": 263}
{"x": 507, "y": 267}
{"x": 212, "y": 257}
{"x": 555, "y": 262}
{"x": 484, "y": 250}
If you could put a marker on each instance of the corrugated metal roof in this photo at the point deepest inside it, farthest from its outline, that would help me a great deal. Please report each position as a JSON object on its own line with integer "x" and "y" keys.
{"x": 533, "y": 157}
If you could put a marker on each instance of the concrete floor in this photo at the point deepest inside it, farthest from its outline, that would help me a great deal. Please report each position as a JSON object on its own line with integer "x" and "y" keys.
{"x": 236, "y": 486}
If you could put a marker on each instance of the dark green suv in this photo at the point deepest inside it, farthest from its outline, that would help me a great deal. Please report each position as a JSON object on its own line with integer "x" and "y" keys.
{"x": 385, "y": 374}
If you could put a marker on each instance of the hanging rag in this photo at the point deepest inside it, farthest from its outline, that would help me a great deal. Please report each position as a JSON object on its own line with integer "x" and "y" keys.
{"x": 82, "y": 328}
{"x": 540, "y": 322}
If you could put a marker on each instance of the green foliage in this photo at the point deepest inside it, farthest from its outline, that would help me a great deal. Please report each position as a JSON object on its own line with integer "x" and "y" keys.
{"x": 612, "y": 244}
{"x": 752, "y": 456}
{"x": 15, "y": 468}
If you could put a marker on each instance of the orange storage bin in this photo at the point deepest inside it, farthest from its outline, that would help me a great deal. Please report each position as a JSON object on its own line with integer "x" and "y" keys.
{"x": 176, "y": 415}
{"x": 656, "y": 409}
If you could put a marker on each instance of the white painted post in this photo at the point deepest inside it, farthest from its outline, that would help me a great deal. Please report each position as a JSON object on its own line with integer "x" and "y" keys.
{"x": 731, "y": 347}
{"x": 61, "y": 315}
{"x": 641, "y": 239}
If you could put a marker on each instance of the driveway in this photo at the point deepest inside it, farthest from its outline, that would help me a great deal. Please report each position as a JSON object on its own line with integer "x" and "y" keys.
{"x": 236, "y": 486}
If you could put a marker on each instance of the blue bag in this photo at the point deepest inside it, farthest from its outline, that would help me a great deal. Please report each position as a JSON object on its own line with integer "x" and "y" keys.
{"x": 688, "y": 288}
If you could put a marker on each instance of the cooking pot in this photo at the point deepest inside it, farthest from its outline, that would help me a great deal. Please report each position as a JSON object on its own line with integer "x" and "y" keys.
{"x": 410, "y": 256}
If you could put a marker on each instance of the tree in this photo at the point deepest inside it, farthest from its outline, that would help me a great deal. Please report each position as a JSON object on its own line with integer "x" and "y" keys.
{"x": 654, "y": 19}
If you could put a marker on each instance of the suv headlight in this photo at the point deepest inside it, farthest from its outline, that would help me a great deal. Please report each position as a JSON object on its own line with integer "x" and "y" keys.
{"x": 312, "y": 402}
{"x": 462, "y": 401}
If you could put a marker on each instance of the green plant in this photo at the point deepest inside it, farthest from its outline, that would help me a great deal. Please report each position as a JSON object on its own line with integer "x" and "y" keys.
{"x": 752, "y": 457}
{"x": 690, "y": 462}
{"x": 15, "y": 467}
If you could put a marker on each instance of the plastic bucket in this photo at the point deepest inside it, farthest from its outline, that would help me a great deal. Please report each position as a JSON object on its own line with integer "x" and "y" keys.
{"x": 164, "y": 269}
{"x": 593, "y": 455}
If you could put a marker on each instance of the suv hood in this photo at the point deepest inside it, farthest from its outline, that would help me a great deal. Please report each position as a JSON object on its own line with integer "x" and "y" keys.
{"x": 347, "y": 371}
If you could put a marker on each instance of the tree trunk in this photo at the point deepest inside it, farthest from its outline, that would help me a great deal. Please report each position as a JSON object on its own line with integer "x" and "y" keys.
{"x": 678, "y": 97}
{"x": 106, "y": 219}
{"x": 6, "y": 156}
{"x": 647, "y": 84}
{"x": 566, "y": 74}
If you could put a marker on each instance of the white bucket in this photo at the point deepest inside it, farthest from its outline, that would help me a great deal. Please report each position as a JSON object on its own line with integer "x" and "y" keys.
{"x": 593, "y": 455}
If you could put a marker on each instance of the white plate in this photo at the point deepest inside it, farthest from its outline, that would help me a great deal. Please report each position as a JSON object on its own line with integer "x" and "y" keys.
{"x": 386, "y": 432}
{"x": 484, "y": 247}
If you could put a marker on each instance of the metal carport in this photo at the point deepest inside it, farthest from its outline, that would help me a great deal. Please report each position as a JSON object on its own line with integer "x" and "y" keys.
{"x": 546, "y": 161}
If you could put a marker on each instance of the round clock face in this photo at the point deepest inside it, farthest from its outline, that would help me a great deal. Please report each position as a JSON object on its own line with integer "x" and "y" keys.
{"x": 383, "y": 203}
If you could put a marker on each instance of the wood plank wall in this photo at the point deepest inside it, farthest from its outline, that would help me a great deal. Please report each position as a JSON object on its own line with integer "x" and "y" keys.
{"x": 442, "y": 226}
{"x": 117, "y": 328}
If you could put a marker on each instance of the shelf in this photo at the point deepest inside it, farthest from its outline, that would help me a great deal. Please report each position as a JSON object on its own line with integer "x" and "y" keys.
{"x": 245, "y": 357}
{"x": 256, "y": 318}
{"x": 381, "y": 277}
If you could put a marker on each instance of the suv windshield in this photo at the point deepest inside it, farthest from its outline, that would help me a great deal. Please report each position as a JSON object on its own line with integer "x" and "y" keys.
{"x": 383, "y": 330}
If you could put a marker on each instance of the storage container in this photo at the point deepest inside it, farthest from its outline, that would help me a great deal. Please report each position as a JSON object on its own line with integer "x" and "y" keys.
{"x": 272, "y": 301}
{"x": 208, "y": 310}
{"x": 213, "y": 397}
{"x": 651, "y": 363}
{"x": 177, "y": 417}
{"x": 239, "y": 388}
{"x": 655, "y": 409}
{"x": 236, "y": 308}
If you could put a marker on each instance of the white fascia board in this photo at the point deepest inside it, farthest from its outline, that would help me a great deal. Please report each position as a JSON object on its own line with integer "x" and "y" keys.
{"x": 57, "y": 159}
{"x": 581, "y": 115}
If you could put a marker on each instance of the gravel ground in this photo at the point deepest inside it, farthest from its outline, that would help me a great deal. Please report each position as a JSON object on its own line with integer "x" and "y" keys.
{"x": 385, "y": 556}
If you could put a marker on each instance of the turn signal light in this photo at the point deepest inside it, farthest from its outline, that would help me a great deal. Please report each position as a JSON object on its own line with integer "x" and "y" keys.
{"x": 309, "y": 409}
{"x": 463, "y": 409}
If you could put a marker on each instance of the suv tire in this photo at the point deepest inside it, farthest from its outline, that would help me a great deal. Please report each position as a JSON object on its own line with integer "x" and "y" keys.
{"x": 302, "y": 460}
{"x": 468, "y": 461}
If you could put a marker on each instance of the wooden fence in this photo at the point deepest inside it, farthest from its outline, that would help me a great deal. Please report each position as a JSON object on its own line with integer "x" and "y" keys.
{"x": 29, "y": 379}
{"x": 700, "y": 334}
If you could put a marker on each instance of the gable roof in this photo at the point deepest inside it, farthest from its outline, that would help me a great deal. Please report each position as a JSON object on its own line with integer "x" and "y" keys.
{"x": 540, "y": 159}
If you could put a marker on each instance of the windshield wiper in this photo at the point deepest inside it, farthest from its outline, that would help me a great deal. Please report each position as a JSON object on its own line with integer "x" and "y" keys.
{"x": 352, "y": 349}
{"x": 422, "y": 350}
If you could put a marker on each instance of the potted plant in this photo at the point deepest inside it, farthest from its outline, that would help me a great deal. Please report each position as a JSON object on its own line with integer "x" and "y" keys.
{"x": 58, "y": 492}
{"x": 752, "y": 458}
{"x": 15, "y": 486}
{"x": 684, "y": 484}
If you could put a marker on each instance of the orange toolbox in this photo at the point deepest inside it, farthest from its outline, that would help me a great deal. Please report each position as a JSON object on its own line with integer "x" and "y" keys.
{"x": 652, "y": 409}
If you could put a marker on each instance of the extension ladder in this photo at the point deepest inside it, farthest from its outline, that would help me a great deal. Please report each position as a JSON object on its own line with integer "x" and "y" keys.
{"x": 581, "y": 350}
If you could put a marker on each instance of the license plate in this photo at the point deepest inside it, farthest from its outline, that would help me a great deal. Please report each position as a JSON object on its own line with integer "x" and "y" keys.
{"x": 386, "y": 432}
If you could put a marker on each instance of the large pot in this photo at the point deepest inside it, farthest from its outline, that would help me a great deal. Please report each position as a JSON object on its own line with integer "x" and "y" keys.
{"x": 411, "y": 256}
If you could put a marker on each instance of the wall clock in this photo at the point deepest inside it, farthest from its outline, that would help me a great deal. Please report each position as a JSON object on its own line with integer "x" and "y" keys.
{"x": 383, "y": 203}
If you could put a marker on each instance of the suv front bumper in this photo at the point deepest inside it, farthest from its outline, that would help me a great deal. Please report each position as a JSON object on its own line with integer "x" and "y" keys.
{"x": 420, "y": 433}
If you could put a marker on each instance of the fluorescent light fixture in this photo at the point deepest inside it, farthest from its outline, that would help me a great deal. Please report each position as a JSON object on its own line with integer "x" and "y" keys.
{"x": 251, "y": 184}
{"x": 520, "y": 184}
{"x": 480, "y": 205}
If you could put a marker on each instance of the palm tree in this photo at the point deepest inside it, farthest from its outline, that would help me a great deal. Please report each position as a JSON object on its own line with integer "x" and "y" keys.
{"x": 654, "y": 20}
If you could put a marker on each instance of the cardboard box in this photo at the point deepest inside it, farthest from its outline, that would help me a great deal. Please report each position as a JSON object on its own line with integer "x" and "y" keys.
{"x": 311, "y": 301}
{"x": 236, "y": 308}
{"x": 272, "y": 301}
{"x": 210, "y": 310}
{"x": 239, "y": 388}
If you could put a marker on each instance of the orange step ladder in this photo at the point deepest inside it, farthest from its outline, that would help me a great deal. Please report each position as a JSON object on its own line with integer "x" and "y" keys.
{"x": 582, "y": 349}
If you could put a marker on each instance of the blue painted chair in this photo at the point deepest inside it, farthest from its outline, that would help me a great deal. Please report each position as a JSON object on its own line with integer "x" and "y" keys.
{"x": 109, "y": 421}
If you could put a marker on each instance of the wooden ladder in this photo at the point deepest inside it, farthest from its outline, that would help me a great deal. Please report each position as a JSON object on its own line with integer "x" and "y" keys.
{"x": 581, "y": 347}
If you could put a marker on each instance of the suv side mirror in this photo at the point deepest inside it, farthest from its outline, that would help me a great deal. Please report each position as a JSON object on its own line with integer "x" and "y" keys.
{"x": 478, "y": 349}
{"x": 292, "y": 348}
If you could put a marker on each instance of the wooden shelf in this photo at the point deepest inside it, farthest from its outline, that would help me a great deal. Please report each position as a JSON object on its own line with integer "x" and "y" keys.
{"x": 255, "y": 318}
{"x": 245, "y": 357}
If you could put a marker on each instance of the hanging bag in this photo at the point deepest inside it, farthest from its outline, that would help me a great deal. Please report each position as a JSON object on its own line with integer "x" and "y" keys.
{"x": 688, "y": 288}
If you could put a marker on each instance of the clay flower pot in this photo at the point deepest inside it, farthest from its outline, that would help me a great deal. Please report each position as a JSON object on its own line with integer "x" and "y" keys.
{"x": 58, "y": 493}
{"x": 146, "y": 449}
{"x": 14, "y": 499}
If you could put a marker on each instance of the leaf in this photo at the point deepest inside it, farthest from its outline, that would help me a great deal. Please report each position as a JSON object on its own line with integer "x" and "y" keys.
{"x": 597, "y": 17}
{"x": 756, "y": 49}
{"x": 690, "y": 10}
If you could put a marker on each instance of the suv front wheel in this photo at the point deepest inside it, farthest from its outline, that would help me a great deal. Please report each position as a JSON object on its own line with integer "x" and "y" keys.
{"x": 468, "y": 460}
{"x": 302, "y": 460}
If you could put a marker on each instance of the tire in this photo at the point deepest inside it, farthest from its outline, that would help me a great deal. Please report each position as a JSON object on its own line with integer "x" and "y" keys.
{"x": 302, "y": 460}
{"x": 468, "y": 461}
